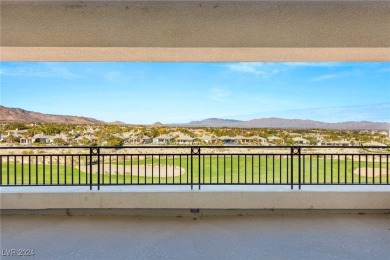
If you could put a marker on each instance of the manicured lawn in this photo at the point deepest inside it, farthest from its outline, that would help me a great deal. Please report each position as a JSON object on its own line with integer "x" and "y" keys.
{"x": 213, "y": 169}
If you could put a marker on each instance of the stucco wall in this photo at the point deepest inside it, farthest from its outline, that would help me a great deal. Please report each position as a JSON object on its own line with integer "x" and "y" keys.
{"x": 196, "y": 31}
{"x": 196, "y": 199}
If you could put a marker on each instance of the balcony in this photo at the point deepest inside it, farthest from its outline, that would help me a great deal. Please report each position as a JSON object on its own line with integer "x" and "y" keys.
{"x": 235, "y": 177}
{"x": 219, "y": 197}
{"x": 64, "y": 217}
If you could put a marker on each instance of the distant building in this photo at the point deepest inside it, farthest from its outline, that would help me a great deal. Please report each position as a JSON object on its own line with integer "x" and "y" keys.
{"x": 275, "y": 140}
{"x": 147, "y": 140}
{"x": 26, "y": 140}
{"x": 208, "y": 139}
{"x": 163, "y": 139}
{"x": 227, "y": 140}
{"x": 184, "y": 139}
{"x": 301, "y": 141}
{"x": 41, "y": 138}
{"x": 250, "y": 140}
{"x": 335, "y": 143}
{"x": 373, "y": 144}
{"x": 132, "y": 140}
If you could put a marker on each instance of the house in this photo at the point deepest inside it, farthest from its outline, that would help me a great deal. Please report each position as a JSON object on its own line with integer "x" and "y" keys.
{"x": 251, "y": 140}
{"x": 208, "y": 139}
{"x": 373, "y": 144}
{"x": 132, "y": 140}
{"x": 262, "y": 140}
{"x": 64, "y": 137}
{"x": 184, "y": 139}
{"x": 41, "y": 138}
{"x": 301, "y": 141}
{"x": 275, "y": 140}
{"x": 163, "y": 139}
{"x": 242, "y": 140}
{"x": 146, "y": 140}
{"x": 227, "y": 140}
{"x": 16, "y": 132}
{"x": 335, "y": 143}
{"x": 26, "y": 140}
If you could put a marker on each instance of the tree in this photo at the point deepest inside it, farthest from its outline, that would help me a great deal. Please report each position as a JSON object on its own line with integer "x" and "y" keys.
{"x": 12, "y": 139}
{"x": 59, "y": 141}
{"x": 85, "y": 141}
{"x": 13, "y": 126}
{"x": 114, "y": 141}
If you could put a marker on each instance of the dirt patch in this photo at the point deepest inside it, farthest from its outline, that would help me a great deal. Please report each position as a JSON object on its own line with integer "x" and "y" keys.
{"x": 371, "y": 172}
{"x": 137, "y": 170}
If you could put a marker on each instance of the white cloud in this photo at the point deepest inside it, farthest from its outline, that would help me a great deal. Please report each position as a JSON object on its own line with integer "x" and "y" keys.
{"x": 41, "y": 70}
{"x": 368, "y": 112}
{"x": 269, "y": 69}
{"x": 340, "y": 74}
{"x": 324, "y": 77}
{"x": 312, "y": 64}
{"x": 257, "y": 68}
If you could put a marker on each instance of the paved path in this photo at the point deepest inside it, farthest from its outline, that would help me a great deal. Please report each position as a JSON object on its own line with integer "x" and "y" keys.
{"x": 302, "y": 236}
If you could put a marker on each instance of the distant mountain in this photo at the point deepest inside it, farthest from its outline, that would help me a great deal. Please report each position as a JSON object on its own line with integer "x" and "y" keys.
{"x": 117, "y": 123}
{"x": 274, "y": 122}
{"x": 215, "y": 122}
{"x": 24, "y": 116}
{"x": 157, "y": 124}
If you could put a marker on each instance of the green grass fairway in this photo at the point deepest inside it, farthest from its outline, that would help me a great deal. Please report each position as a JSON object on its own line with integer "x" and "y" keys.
{"x": 231, "y": 169}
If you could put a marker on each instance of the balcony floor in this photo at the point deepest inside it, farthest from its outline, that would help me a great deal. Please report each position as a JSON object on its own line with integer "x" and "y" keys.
{"x": 293, "y": 236}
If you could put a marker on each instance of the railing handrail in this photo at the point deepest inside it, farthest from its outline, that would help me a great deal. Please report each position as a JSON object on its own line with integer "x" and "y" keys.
{"x": 191, "y": 146}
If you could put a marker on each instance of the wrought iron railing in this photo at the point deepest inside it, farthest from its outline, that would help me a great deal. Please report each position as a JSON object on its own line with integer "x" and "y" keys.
{"x": 194, "y": 165}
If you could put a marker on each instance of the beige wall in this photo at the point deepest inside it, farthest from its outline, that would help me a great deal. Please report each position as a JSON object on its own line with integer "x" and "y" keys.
{"x": 196, "y": 199}
{"x": 196, "y": 31}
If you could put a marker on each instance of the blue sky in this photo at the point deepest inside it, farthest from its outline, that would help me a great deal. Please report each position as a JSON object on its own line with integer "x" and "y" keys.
{"x": 144, "y": 93}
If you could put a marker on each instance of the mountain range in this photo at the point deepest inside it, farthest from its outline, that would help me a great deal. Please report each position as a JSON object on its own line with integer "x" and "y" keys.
{"x": 274, "y": 122}
{"x": 24, "y": 116}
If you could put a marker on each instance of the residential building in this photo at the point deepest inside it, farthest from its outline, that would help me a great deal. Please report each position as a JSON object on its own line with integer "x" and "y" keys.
{"x": 146, "y": 140}
{"x": 227, "y": 140}
{"x": 184, "y": 139}
{"x": 163, "y": 139}
{"x": 301, "y": 141}
{"x": 208, "y": 139}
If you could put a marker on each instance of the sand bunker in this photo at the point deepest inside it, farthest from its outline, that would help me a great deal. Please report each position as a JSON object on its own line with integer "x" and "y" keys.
{"x": 371, "y": 172}
{"x": 141, "y": 170}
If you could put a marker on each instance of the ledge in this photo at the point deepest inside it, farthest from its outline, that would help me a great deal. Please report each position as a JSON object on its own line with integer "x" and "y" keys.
{"x": 193, "y": 54}
{"x": 305, "y": 30}
{"x": 239, "y": 198}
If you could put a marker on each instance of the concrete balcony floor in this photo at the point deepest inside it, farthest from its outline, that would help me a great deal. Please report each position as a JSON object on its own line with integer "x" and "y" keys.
{"x": 264, "y": 236}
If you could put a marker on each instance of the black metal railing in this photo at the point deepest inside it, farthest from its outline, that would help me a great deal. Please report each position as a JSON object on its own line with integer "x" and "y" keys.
{"x": 194, "y": 165}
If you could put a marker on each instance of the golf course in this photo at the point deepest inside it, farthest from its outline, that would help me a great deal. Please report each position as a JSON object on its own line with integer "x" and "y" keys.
{"x": 207, "y": 169}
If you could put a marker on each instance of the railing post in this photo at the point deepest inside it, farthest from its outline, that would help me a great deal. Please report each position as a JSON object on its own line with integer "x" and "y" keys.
{"x": 295, "y": 150}
{"x": 195, "y": 151}
{"x": 94, "y": 151}
{"x": 1, "y": 170}
{"x": 299, "y": 167}
{"x": 199, "y": 167}
{"x": 192, "y": 170}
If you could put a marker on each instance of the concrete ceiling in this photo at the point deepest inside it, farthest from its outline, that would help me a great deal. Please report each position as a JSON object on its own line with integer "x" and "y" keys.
{"x": 195, "y": 31}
